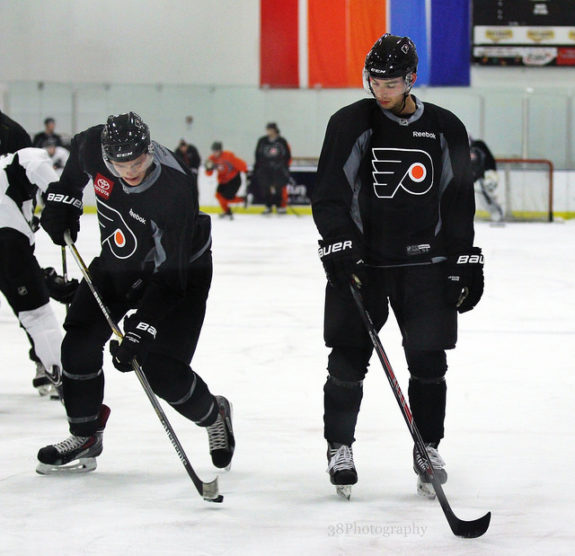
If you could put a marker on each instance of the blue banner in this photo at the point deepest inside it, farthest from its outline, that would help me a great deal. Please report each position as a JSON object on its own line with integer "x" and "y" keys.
{"x": 441, "y": 33}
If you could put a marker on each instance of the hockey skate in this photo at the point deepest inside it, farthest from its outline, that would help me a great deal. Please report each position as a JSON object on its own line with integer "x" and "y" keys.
{"x": 228, "y": 214}
{"x": 48, "y": 384}
{"x": 341, "y": 468}
{"x": 424, "y": 486}
{"x": 76, "y": 454}
{"x": 221, "y": 436}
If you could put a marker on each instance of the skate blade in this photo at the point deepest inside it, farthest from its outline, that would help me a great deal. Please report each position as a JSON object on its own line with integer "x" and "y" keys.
{"x": 82, "y": 465}
{"x": 344, "y": 491}
{"x": 425, "y": 489}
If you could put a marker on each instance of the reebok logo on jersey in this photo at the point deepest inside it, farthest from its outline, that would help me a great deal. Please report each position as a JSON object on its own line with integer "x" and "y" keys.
{"x": 410, "y": 170}
{"x": 137, "y": 216}
{"x": 103, "y": 186}
{"x": 425, "y": 134}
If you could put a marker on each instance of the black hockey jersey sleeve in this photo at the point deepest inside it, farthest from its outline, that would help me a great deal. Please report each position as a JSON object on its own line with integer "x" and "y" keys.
{"x": 344, "y": 146}
{"x": 458, "y": 200}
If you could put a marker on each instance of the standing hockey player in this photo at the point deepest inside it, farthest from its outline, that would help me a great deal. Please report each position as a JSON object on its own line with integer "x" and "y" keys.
{"x": 156, "y": 258}
{"x": 394, "y": 206}
{"x": 25, "y": 285}
{"x": 271, "y": 169}
{"x": 230, "y": 169}
{"x": 485, "y": 177}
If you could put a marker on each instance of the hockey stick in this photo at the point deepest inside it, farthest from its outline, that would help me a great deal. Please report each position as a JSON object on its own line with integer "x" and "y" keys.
{"x": 461, "y": 528}
{"x": 209, "y": 491}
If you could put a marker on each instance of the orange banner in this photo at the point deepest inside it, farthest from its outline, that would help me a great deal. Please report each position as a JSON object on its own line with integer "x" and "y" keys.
{"x": 340, "y": 33}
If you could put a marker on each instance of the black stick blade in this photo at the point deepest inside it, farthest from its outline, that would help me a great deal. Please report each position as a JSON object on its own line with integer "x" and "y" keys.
{"x": 470, "y": 529}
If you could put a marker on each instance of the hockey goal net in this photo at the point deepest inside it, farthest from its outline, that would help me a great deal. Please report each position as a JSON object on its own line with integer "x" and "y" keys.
{"x": 525, "y": 189}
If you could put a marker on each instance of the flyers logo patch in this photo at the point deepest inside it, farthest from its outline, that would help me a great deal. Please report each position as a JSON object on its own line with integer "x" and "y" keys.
{"x": 103, "y": 186}
{"x": 116, "y": 235}
{"x": 410, "y": 170}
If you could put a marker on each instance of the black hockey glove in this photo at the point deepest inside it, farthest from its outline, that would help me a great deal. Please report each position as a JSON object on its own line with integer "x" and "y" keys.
{"x": 341, "y": 259}
{"x": 62, "y": 211}
{"x": 138, "y": 336}
{"x": 465, "y": 279}
{"x": 60, "y": 289}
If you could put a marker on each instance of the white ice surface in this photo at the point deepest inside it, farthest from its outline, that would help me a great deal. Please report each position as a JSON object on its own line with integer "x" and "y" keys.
{"x": 510, "y": 441}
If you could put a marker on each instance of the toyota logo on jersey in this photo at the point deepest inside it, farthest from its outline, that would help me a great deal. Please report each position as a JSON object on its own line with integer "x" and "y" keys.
{"x": 395, "y": 169}
{"x": 115, "y": 232}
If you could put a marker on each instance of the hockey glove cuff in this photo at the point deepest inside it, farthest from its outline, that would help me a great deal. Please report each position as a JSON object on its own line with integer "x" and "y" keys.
{"x": 341, "y": 259}
{"x": 465, "y": 279}
{"x": 60, "y": 289}
{"x": 138, "y": 336}
{"x": 61, "y": 212}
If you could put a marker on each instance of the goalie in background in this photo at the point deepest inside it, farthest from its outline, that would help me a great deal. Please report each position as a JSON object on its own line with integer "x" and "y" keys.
{"x": 485, "y": 178}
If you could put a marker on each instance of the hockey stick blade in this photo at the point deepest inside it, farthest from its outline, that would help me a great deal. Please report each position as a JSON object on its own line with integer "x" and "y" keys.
{"x": 208, "y": 491}
{"x": 460, "y": 527}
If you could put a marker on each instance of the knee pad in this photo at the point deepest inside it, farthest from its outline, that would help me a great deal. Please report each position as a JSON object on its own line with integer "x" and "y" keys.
{"x": 427, "y": 367}
{"x": 348, "y": 364}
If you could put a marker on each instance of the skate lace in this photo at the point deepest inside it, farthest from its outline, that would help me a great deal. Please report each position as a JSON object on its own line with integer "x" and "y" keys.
{"x": 71, "y": 443}
{"x": 217, "y": 435}
{"x": 436, "y": 460}
{"x": 341, "y": 459}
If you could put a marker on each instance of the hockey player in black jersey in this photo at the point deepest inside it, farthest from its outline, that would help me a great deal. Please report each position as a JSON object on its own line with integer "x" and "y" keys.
{"x": 156, "y": 258}
{"x": 394, "y": 205}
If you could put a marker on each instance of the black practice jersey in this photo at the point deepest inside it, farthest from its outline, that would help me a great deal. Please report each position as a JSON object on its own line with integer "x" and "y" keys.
{"x": 272, "y": 154}
{"x": 400, "y": 186}
{"x": 152, "y": 231}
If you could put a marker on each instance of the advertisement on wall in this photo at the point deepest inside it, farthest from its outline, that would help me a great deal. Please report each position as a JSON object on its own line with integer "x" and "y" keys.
{"x": 524, "y": 33}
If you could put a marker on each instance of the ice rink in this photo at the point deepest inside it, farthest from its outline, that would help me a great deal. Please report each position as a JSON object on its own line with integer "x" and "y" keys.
{"x": 509, "y": 446}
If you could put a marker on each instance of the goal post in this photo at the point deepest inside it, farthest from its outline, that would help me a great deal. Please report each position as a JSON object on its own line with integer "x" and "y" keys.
{"x": 525, "y": 189}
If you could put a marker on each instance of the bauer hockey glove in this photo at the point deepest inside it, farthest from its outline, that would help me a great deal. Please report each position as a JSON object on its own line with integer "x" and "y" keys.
{"x": 62, "y": 211}
{"x": 60, "y": 289}
{"x": 465, "y": 279}
{"x": 341, "y": 259}
{"x": 138, "y": 336}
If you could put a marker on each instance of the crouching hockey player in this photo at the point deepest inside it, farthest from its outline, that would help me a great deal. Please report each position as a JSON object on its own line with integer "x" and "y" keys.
{"x": 485, "y": 178}
{"x": 156, "y": 258}
{"x": 394, "y": 206}
{"x": 25, "y": 285}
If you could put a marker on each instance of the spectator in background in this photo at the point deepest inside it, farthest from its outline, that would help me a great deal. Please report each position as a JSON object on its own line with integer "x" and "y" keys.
{"x": 189, "y": 155}
{"x": 58, "y": 155}
{"x": 229, "y": 168}
{"x": 271, "y": 168}
{"x": 48, "y": 133}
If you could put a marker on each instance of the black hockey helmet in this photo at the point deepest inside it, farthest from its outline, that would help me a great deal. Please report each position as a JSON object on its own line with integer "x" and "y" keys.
{"x": 125, "y": 137}
{"x": 391, "y": 56}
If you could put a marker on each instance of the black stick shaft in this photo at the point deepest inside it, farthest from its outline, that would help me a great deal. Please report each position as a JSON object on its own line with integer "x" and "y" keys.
{"x": 461, "y": 528}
